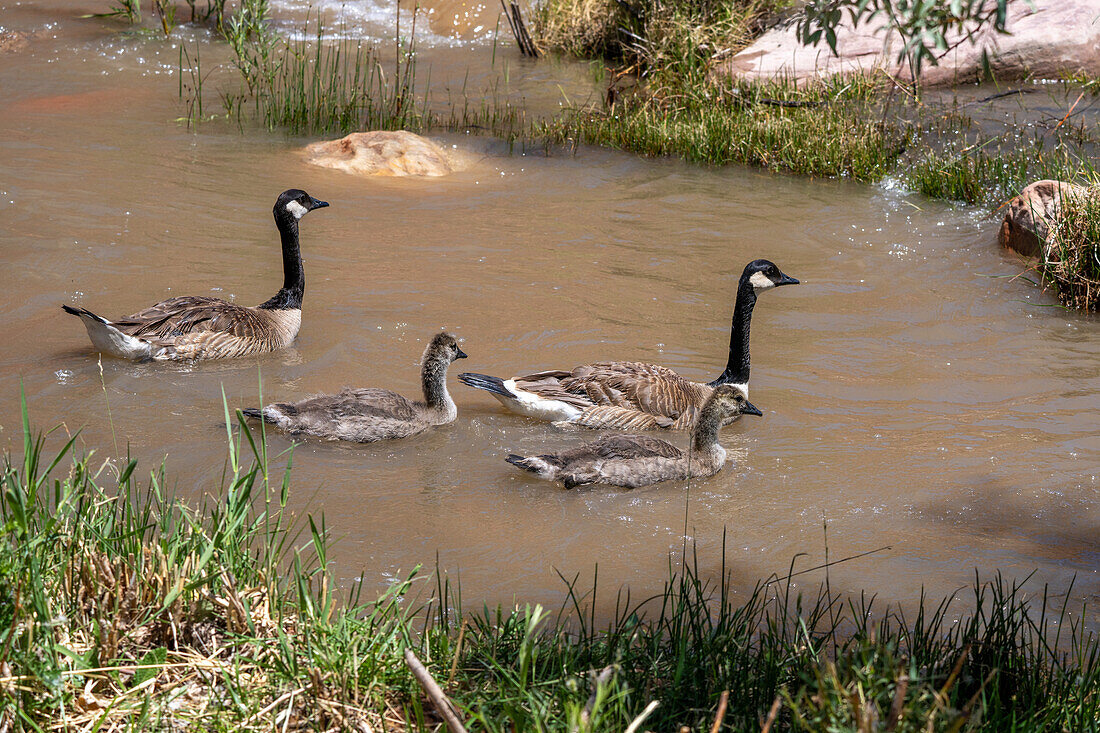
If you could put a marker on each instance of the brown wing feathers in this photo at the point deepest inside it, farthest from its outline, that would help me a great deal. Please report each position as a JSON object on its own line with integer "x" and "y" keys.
{"x": 621, "y": 394}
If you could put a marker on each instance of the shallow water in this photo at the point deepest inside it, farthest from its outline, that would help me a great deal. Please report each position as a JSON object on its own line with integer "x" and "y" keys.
{"x": 917, "y": 393}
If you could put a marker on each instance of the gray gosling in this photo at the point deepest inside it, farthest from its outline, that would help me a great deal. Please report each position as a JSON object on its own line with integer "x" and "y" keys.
{"x": 370, "y": 414}
{"x": 200, "y": 327}
{"x": 632, "y": 461}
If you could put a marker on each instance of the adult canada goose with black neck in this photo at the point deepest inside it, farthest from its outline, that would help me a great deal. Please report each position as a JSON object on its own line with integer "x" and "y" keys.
{"x": 634, "y": 395}
{"x": 367, "y": 415}
{"x": 632, "y": 461}
{"x": 199, "y": 327}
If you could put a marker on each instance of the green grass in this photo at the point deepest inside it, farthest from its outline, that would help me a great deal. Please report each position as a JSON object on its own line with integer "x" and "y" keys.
{"x": 832, "y": 134}
{"x": 1072, "y": 260}
{"x": 981, "y": 173}
{"x": 122, "y": 608}
{"x": 318, "y": 87}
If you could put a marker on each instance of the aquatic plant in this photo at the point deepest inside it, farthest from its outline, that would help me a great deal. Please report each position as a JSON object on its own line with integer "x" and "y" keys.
{"x": 122, "y": 607}
{"x": 989, "y": 171}
{"x": 317, "y": 86}
{"x": 1072, "y": 253}
{"x": 825, "y": 129}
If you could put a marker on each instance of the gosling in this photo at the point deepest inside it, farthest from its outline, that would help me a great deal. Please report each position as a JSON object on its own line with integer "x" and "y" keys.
{"x": 372, "y": 414}
{"x": 632, "y": 461}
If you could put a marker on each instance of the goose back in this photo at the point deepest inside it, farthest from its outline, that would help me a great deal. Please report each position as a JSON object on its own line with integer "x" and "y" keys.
{"x": 202, "y": 327}
{"x": 357, "y": 415}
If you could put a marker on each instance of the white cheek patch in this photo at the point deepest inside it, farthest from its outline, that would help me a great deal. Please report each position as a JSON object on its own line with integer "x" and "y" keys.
{"x": 297, "y": 209}
{"x": 760, "y": 281}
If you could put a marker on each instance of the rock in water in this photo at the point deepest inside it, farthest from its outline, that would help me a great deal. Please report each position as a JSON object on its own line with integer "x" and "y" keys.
{"x": 381, "y": 153}
{"x": 13, "y": 41}
{"x": 1053, "y": 39}
{"x": 1029, "y": 216}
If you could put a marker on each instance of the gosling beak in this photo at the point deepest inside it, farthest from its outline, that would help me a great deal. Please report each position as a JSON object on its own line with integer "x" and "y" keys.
{"x": 461, "y": 354}
{"x": 786, "y": 280}
{"x": 319, "y": 204}
{"x": 750, "y": 408}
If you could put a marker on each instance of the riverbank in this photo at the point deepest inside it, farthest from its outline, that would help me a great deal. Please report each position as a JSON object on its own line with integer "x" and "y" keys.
{"x": 124, "y": 609}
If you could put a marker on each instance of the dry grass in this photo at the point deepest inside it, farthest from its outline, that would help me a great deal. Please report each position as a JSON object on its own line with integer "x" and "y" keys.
{"x": 578, "y": 27}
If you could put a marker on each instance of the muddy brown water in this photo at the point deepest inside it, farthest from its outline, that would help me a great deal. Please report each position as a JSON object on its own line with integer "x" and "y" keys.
{"x": 917, "y": 394}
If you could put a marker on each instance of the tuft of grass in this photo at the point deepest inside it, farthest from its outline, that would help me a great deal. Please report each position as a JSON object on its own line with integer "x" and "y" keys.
{"x": 977, "y": 175}
{"x": 822, "y": 130}
{"x": 587, "y": 28}
{"x": 318, "y": 87}
{"x": 1071, "y": 261}
{"x": 658, "y": 38}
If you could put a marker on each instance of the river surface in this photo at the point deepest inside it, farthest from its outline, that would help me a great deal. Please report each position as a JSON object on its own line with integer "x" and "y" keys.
{"x": 919, "y": 393}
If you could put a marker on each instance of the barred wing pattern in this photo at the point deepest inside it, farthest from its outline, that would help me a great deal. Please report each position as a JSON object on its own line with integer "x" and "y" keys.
{"x": 198, "y": 326}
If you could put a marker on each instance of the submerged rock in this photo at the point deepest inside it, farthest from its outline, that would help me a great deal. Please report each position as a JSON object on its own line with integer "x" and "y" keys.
{"x": 1030, "y": 216}
{"x": 13, "y": 41}
{"x": 1055, "y": 38}
{"x": 381, "y": 153}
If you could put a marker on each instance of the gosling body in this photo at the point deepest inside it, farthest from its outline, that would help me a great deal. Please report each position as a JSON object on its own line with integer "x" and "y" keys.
{"x": 199, "y": 327}
{"x": 372, "y": 414}
{"x": 633, "y": 461}
{"x": 631, "y": 395}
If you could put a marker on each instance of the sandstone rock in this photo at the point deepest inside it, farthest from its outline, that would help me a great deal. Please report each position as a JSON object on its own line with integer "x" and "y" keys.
{"x": 1029, "y": 216}
{"x": 1054, "y": 38}
{"x": 381, "y": 153}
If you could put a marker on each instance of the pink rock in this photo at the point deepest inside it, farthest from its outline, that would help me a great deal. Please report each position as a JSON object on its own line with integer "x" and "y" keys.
{"x": 381, "y": 153}
{"x": 1056, "y": 38}
{"x": 1030, "y": 216}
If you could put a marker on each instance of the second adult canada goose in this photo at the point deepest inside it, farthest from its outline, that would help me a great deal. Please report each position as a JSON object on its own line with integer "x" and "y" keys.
{"x": 199, "y": 327}
{"x": 367, "y": 415}
{"x": 629, "y": 394}
{"x": 631, "y": 461}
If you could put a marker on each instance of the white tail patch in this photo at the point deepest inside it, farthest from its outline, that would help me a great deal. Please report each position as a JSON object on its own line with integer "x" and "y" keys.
{"x": 109, "y": 340}
{"x": 531, "y": 405}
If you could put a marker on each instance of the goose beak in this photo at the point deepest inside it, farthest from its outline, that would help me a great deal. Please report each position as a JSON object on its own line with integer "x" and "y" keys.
{"x": 750, "y": 408}
{"x": 461, "y": 354}
{"x": 786, "y": 280}
{"x": 319, "y": 204}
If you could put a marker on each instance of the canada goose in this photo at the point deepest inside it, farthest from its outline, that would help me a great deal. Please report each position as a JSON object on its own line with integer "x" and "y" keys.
{"x": 367, "y": 415}
{"x": 634, "y": 395}
{"x": 639, "y": 460}
{"x": 198, "y": 327}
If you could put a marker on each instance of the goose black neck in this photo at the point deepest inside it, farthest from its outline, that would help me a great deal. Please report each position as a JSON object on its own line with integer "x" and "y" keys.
{"x": 737, "y": 367}
{"x": 294, "y": 278}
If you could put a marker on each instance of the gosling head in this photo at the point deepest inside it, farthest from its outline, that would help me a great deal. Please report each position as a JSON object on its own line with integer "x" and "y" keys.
{"x": 444, "y": 348}
{"x": 296, "y": 203}
{"x": 764, "y": 275}
{"x": 732, "y": 401}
